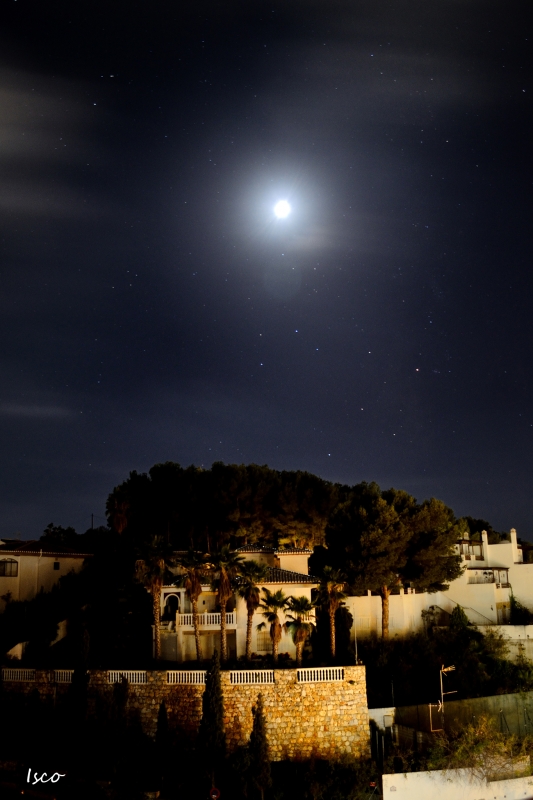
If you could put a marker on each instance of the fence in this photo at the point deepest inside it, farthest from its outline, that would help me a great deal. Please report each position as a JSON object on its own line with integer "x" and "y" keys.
{"x": 205, "y": 620}
{"x": 186, "y": 676}
{"x": 250, "y": 676}
{"x": 132, "y": 675}
{"x": 320, "y": 674}
{"x": 63, "y": 675}
{"x": 241, "y": 677}
{"x": 18, "y": 674}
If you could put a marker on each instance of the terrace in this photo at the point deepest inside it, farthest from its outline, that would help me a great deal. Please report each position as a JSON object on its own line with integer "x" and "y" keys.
{"x": 207, "y": 621}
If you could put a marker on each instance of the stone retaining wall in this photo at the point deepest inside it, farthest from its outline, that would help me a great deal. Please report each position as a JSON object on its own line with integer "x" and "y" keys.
{"x": 324, "y": 720}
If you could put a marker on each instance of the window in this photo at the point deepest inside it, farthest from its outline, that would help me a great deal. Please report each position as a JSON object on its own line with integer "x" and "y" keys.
{"x": 264, "y": 642}
{"x": 9, "y": 568}
{"x": 57, "y": 564}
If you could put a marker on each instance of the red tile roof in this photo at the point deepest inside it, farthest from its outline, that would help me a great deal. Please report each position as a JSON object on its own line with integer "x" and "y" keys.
{"x": 275, "y": 575}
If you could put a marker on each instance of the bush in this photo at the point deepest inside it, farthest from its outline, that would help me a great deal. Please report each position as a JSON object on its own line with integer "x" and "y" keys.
{"x": 482, "y": 748}
{"x": 406, "y": 671}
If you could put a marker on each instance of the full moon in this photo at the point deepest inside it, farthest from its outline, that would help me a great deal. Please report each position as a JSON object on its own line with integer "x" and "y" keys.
{"x": 282, "y": 209}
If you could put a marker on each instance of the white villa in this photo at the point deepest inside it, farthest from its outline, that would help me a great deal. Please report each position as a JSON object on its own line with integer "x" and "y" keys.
{"x": 287, "y": 570}
{"x": 27, "y": 567}
{"x": 491, "y": 573}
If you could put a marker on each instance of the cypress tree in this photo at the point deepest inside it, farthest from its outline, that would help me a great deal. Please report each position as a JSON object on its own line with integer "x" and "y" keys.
{"x": 161, "y": 734}
{"x": 211, "y": 736}
{"x": 162, "y": 739}
{"x": 259, "y": 757}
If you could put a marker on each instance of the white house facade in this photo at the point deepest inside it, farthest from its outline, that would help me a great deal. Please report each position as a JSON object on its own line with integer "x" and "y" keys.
{"x": 28, "y": 567}
{"x": 287, "y": 570}
{"x": 491, "y": 573}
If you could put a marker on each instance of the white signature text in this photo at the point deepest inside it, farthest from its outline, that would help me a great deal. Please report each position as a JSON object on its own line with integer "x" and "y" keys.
{"x": 43, "y": 778}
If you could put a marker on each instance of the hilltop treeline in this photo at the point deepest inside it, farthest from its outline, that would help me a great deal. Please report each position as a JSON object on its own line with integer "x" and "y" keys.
{"x": 227, "y": 504}
{"x": 240, "y": 504}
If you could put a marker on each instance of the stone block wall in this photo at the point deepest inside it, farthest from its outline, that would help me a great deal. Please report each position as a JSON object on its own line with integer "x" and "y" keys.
{"x": 303, "y": 720}
{"x": 324, "y": 720}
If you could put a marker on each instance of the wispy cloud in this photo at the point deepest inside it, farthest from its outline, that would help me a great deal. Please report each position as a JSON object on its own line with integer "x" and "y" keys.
{"x": 46, "y": 145}
{"x": 34, "y": 411}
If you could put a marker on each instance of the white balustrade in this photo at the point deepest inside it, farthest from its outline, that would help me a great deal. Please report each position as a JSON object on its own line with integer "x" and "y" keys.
{"x": 132, "y": 675}
{"x": 252, "y": 676}
{"x": 205, "y": 620}
{"x": 320, "y": 674}
{"x": 186, "y": 676}
{"x": 63, "y": 675}
{"x": 18, "y": 674}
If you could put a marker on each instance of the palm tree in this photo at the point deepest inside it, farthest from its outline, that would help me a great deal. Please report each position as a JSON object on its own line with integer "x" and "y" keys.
{"x": 331, "y": 597}
{"x": 226, "y": 565}
{"x": 193, "y": 568}
{"x": 298, "y": 623}
{"x": 151, "y": 569}
{"x": 250, "y": 573}
{"x": 272, "y": 603}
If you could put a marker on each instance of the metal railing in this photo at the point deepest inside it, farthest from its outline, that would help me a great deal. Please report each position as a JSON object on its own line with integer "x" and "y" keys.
{"x": 320, "y": 674}
{"x": 63, "y": 675}
{"x": 252, "y": 676}
{"x": 9, "y": 674}
{"x": 206, "y": 619}
{"x": 131, "y": 675}
{"x": 186, "y": 676}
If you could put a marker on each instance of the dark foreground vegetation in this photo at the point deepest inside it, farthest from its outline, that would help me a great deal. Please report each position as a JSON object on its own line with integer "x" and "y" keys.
{"x": 406, "y": 671}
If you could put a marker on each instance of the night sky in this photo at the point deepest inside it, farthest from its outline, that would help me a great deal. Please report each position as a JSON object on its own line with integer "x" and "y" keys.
{"x": 154, "y": 308}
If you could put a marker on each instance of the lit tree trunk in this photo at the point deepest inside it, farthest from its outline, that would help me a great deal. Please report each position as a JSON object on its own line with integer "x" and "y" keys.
{"x": 275, "y": 646}
{"x": 385, "y": 594}
{"x": 195, "y": 622}
{"x": 299, "y": 653}
{"x": 331, "y": 612}
{"x": 223, "y": 640}
{"x": 275, "y": 635}
{"x": 249, "y": 628}
{"x": 156, "y": 599}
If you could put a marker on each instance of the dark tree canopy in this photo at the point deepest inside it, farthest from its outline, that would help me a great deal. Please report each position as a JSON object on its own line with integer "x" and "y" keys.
{"x": 231, "y": 504}
{"x": 57, "y": 536}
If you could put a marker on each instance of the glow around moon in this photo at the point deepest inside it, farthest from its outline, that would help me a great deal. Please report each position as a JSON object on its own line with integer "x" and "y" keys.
{"x": 282, "y": 209}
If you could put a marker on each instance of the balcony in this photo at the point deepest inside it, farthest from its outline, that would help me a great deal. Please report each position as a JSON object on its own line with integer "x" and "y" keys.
{"x": 207, "y": 621}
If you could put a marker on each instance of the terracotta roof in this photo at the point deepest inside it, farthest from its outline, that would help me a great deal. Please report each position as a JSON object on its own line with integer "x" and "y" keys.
{"x": 275, "y": 575}
{"x": 35, "y": 547}
{"x": 254, "y": 548}
{"x": 289, "y": 551}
